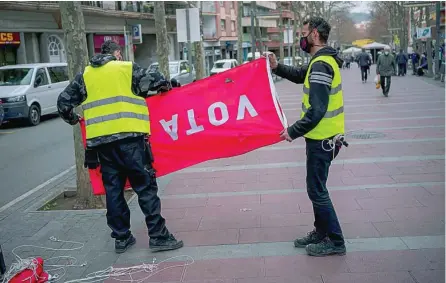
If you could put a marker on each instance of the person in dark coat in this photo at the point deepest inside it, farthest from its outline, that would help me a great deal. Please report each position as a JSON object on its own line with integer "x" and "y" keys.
{"x": 364, "y": 63}
{"x": 401, "y": 60}
{"x": 385, "y": 68}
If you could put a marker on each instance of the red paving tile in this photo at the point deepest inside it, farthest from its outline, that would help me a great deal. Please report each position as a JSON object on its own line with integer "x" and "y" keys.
{"x": 226, "y": 269}
{"x": 383, "y": 261}
{"x": 376, "y": 277}
{"x": 416, "y": 214}
{"x": 429, "y": 276}
{"x": 386, "y": 202}
{"x": 409, "y": 228}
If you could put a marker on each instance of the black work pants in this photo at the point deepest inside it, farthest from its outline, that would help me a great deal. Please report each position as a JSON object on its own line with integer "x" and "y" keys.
{"x": 318, "y": 164}
{"x": 401, "y": 69}
{"x": 127, "y": 159}
{"x": 364, "y": 73}
{"x": 385, "y": 83}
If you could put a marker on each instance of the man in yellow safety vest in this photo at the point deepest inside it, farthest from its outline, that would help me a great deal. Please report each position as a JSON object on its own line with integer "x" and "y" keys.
{"x": 322, "y": 124}
{"x": 117, "y": 123}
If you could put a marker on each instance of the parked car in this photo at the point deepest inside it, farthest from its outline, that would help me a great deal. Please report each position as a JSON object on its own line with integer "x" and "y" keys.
{"x": 223, "y": 65}
{"x": 179, "y": 70}
{"x": 249, "y": 58}
{"x": 29, "y": 91}
{"x": 289, "y": 61}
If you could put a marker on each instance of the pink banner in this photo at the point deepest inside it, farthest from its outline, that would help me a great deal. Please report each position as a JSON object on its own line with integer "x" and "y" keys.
{"x": 225, "y": 115}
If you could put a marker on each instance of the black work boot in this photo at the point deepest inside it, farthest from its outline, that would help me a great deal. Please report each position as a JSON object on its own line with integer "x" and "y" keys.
{"x": 165, "y": 244}
{"x": 122, "y": 245}
{"x": 312, "y": 237}
{"x": 325, "y": 248}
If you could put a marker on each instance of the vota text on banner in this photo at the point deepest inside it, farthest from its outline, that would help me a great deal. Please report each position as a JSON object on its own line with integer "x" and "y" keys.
{"x": 224, "y": 115}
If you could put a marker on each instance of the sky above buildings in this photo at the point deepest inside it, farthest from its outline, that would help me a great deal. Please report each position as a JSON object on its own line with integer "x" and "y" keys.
{"x": 361, "y": 7}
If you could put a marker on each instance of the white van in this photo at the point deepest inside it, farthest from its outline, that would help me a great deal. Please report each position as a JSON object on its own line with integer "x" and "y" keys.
{"x": 249, "y": 58}
{"x": 29, "y": 91}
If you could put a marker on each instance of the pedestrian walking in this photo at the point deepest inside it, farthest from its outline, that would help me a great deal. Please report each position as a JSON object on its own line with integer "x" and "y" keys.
{"x": 401, "y": 60}
{"x": 322, "y": 119}
{"x": 117, "y": 124}
{"x": 364, "y": 62}
{"x": 385, "y": 68}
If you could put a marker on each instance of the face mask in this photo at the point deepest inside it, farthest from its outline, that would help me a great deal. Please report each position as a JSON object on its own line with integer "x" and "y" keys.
{"x": 304, "y": 44}
{"x": 387, "y": 52}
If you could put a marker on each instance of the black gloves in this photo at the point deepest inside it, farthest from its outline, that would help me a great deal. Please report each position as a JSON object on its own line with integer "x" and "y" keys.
{"x": 91, "y": 159}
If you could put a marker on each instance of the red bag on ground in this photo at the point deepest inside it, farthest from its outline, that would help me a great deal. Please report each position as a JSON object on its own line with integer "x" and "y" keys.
{"x": 28, "y": 275}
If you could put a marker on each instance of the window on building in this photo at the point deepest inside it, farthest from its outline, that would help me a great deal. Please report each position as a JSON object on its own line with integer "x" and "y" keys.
{"x": 232, "y": 4}
{"x": 222, "y": 3}
{"x": 233, "y": 25}
{"x": 223, "y": 24}
{"x": 58, "y": 74}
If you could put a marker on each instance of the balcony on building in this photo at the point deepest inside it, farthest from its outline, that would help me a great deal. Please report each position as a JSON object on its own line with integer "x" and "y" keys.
{"x": 264, "y": 4}
{"x": 208, "y": 8}
{"x": 123, "y": 9}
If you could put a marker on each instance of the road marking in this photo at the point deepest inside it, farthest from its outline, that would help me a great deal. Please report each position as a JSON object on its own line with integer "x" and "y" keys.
{"x": 36, "y": 189}
{"x": 7, "y": 132}
{"x": 303, "y": 163}
{"x": 300, "y": 190}
{"x": 257, "y": 250}
{"x": 368, "y": 142}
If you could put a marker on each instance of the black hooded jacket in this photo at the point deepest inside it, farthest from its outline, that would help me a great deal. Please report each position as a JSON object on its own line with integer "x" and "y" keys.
{"x": 76, "y": 93}
{"x": 319, "y": 90}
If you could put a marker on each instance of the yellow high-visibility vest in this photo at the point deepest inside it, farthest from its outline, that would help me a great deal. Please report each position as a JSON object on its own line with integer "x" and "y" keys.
{"x": 333, "y": 121}
{"x": 111, "y": 107}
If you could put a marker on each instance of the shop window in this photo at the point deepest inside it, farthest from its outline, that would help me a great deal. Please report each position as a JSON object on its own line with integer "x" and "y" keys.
{"x": 58, "y": 74}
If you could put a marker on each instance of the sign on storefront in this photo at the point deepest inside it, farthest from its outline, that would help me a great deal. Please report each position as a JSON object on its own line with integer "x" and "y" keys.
{"x": 9, "y": 38}
{"x": 99, "y": 39}
{"x": 137, "y": 34}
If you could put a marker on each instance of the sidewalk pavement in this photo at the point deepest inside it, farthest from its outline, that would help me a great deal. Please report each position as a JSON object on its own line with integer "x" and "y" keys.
{"x": 239, "y": 216}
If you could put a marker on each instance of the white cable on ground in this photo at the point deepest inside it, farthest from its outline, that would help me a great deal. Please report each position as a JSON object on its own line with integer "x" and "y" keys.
{"x": 124, "y": 274}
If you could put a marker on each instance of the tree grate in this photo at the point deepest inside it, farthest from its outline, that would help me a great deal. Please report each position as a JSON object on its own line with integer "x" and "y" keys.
{"x": 365, "y": 135}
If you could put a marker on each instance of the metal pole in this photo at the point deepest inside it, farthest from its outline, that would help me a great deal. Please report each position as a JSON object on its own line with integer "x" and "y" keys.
{"x": 253, "y": 35}
{"x": 289, "y": 39}
{"x": 189, "y": 43}
{"x": 437, "y": 43}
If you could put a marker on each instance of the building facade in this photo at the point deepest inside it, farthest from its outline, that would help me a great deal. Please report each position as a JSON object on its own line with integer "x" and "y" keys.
{"x": 31, "y": 32}
{"x": 219, "y": 20}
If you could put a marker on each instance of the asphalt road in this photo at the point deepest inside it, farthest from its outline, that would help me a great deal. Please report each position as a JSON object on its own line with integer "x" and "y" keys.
{"x": 29, "y": 156}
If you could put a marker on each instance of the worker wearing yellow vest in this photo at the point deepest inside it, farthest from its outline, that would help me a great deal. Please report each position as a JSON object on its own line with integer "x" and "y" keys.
{"x": 322, "y": 124}
{"x": 117, "y": 125}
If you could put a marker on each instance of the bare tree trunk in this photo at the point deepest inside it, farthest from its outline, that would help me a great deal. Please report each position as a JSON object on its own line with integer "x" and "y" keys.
{"x": 162, "y": 42}
{"x": 198, "y": 47}
{"x": 76, "y": 47}
{"x": 239, "y": 32}
{"x": 282, "y": 53}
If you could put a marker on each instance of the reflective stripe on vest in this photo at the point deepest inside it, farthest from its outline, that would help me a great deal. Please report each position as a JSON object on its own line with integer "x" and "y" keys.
{"x": 115, "y": 116}
{"x": 111, "y": 100}
{"x": 328, "y": 114}
{"x": 333, "y": 121}
{"x": 111, "y": 107}
{"x": 332, "y": 91}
